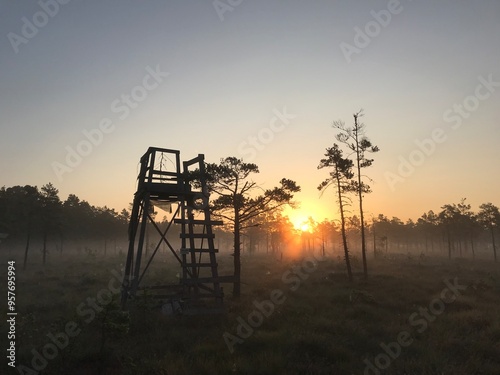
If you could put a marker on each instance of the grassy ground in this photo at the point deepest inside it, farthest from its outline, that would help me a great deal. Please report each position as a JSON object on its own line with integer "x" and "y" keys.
{"x": 319, "y": 323}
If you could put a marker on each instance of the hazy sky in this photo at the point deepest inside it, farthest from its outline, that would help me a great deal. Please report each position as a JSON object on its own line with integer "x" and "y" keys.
{"x": 211, "y": 77}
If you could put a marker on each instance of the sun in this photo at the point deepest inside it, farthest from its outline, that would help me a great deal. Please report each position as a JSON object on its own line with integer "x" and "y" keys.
{"x": 301, "y": 224}
{"x": 305, "y": 227}
{"x": 300, "y": 217}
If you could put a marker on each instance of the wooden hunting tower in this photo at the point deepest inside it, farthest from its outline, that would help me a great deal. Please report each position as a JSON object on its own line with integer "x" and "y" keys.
{"x": 162, "y": 183}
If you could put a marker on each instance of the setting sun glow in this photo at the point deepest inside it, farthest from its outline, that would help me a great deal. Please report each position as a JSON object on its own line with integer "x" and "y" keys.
{"x": 301, "y": 223}
{"x": 318, "y": 211}
{"x": 305, "y": 227}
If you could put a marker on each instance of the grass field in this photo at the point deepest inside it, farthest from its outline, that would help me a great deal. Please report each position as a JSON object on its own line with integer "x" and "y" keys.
{"x": 413, "y": 316}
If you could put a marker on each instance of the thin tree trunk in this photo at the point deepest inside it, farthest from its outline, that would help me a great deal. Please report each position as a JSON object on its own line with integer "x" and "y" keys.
{"x": 44, "y": 250}
{"x": 363, "y": 242}
{"x": 237, "y": 260}
{"x": 28, "y": 237}
{"x": 360, "y": 196}
{"x": 472, "y": 246}
{"x": 493, "y": 242}
{"x": 267, "y": 242}
{"x": 374, "y": 241}
{"x": 344, "y": 237}
{"x": 449, "y": 243}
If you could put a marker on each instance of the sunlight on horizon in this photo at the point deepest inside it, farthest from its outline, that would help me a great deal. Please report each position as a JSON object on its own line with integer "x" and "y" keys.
{"x": 305, "y": 227}
{"x": 309, "y": 209}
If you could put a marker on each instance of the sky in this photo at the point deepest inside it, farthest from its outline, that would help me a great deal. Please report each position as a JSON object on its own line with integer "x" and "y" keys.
{"x": 88, "y": 86}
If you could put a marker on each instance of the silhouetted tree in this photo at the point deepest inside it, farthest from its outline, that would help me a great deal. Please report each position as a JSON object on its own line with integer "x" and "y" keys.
{"x": 382, "y": 228}
{"x": 326, "y": 230}
{"x": 237, "y": 203}
{"x": 31, "y": 206}
{"x": 355, "y": 139}
{"x": 19, "y": 213}
{"x": 489, "y": 216}
{"x": 341, "y": 178}
{"x": 446, "y": 219}
{"x": 280, "y": 231}
{"x": 466, "y": 223}
{"x": 50, "y": 212}
{"x": 27, "y": 212}
{"x": 427, "y": 225}
{"x": 107, "y": 221}
{"x": 458, "y": 222}
{"x": 353, "y": 230}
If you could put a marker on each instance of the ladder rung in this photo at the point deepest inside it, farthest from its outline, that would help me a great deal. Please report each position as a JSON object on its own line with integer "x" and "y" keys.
{"x": 165, "y": 173}
{"x": 196, "y": 235}
{"x": 200, "y": 265}
{"x": 187, "y": 251}
{"x": 198, "y": 222}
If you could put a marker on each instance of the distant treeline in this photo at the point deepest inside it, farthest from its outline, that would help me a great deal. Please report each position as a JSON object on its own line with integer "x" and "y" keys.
{"x": 455, "y": 231}
{"x": 29, "y": 214}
